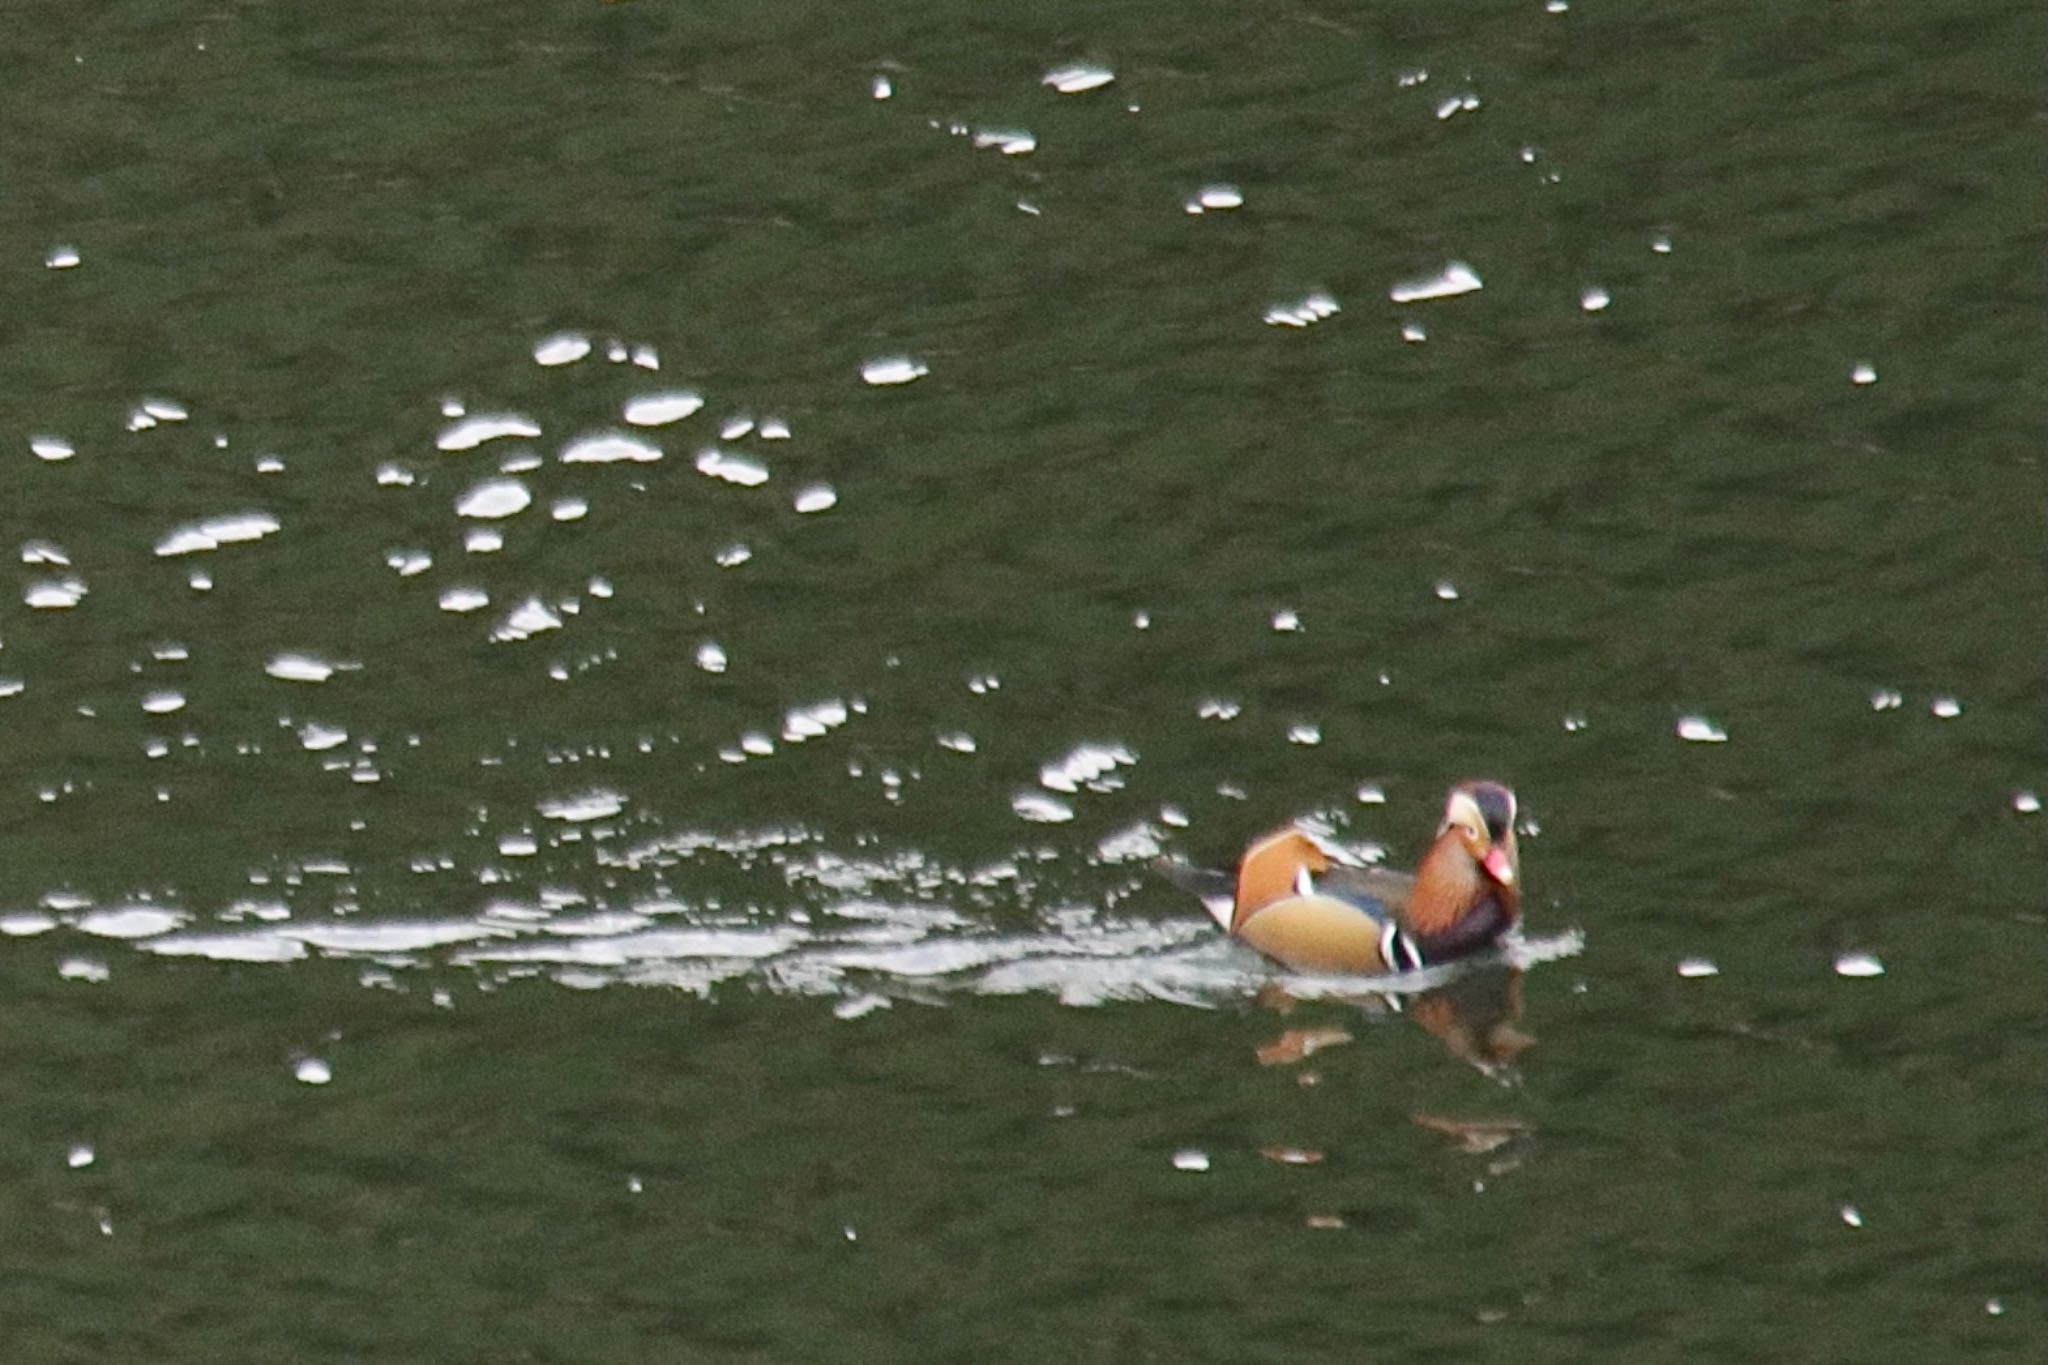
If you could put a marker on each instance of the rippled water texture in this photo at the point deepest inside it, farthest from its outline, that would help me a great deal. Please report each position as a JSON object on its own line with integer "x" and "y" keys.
{"x": 613, "y": 602}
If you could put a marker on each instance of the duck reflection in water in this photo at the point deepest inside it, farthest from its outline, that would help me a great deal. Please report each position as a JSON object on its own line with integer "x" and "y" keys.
{"x": 1476, "y": 1015}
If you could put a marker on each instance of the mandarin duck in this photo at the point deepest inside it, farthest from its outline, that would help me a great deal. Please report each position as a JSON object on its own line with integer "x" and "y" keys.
{"x": 1296, "y": 902}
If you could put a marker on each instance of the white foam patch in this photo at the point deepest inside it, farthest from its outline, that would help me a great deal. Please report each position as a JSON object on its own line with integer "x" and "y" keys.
{"x": 60, "y": 594}
{"x": 893, "y": 369}
{"x": 215, "y": 532}
{"x": 1077, "y": 78}
{"x": 471, "y": 432}
{"x": 564, "y": 348}
{"x": 597, "y": 804}
{"x": 1454, "y": 279}
{"x": 1008, "y": 141}
{"x": 1041, "y": 809}
{"x": 317, "y": 737}
{"x": 528, "y": 619}
{"x": 734, "y": 469}
{"x": 134, "y": 921}
{"x": 610, "y": 448}
{"x": 659, "y": 409}
{"x": 495, "y": 498}
{"x": 1088, "y": 765}
{"x": 305, "y": 668}
{"x": 1305, "y": 312}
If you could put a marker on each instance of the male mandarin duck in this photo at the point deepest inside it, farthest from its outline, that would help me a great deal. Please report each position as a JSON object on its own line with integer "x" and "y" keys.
{"x": 1296, "y": 903}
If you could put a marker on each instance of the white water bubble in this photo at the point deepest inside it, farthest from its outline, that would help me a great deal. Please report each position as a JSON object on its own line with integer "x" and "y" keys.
{"x": 1446, "y": 590}
{"x": 711, "y": 657}
{"x": 51, "y": 448}
{"x": 312, "y": 1071}
{"x": 1858, "y": 965}
{"x": 1305, "y": 734}
{"x": 2027, "y": 803}
{"x": 1286, "y": 620}
{"x": 80, "y": 1156}
{"x": 1945, "y": 708}
{"x": 1864, "y": 373}
{"x": 1456, "y": 104}
{"x": 893, "y": 369}
{"x": 472, "y": 432}
{"x": 563, "y": 348}
{"x": 63, "y": 257}
{"x": 58, "y": 594}
{"x": 1041, "y": 809}
{"x": 1077, "y": 77}
{"x": 528, "y": 619}
{"x": 305, "y": 668}
{"x": 1414, "y": 333}
{"x": 732, "y": 556}
{"x": 880, "y": 88}
{"x": 1700, "y": 730}
{"x": 1086, "y": 765}
{"x": 660, "y": 409}
{"x": 1218, "y": 708}
{"x": 407, "y": 563}
{"x": 1371, "y": 794}
{"x": 393, "y": 475}
{"x": 464, "y": 599}
{"x": 1008, "y": 141}
{"x": 733, "y": 469}
{"x": 163, "y": 701}
{"x": 598, "y": 803}
{"x": 1696, "y": 968}
{"x": 1191, "y": 1159}
{"x": 1593, "y": 298}
{"x": 1886, "y": 699}
{"x": 214, "y": 532}
{"x": 816, "y": 497}
{"x": 610, "y": 448}
{"x": 1454, "y": 279}
{"x": 495, "y": 498}
{"x": 317, "y": 738}
{"x": 1216, "y": 199}
{"x": 129, "y": 921}
{"x": 1305, "y": 312}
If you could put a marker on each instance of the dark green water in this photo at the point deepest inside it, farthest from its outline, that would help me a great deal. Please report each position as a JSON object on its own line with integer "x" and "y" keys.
{"x": 674, "y": 1012}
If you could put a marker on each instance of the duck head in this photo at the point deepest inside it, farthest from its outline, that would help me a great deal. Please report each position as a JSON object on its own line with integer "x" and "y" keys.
{"x": 1469, "y": 885}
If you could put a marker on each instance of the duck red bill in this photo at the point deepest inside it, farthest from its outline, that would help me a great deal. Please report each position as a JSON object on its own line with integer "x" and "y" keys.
{"x": 1498, "y": 866}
